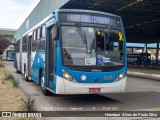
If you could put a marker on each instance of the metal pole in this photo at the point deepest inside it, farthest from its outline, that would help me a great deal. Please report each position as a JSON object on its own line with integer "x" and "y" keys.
{"x": 157, "y": 55}
{"x": 146, "y": 58}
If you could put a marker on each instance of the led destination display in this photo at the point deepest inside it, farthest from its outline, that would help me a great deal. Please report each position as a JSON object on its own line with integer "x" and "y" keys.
{"x": 89, "y": 18}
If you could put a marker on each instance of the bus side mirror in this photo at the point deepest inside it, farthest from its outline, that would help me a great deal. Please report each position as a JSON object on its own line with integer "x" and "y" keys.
{"x": 55, "y": 32}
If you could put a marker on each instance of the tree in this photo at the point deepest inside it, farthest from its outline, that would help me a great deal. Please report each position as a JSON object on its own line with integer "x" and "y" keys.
{"x": 4, "y": 43}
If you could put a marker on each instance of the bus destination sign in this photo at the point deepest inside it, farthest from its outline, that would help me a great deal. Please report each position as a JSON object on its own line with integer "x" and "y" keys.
{"x": 89, "y": 18}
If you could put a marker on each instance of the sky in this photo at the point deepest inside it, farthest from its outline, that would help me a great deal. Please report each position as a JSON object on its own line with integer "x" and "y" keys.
{"x": 14, "y": 12}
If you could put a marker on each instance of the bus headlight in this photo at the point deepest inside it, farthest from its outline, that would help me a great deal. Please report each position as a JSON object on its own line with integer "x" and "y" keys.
{"x": 67, "y": 76}
{"x": 121, "y": 76}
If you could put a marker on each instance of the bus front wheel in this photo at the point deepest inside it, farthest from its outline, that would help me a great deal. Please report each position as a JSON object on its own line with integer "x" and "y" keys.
{"x": 17, "y": 71}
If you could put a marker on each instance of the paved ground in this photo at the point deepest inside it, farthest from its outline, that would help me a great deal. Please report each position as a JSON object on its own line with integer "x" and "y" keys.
{"x": 144, "y": 72}
{"x": 149, "y": 70}
{"x": 141, "y": 94}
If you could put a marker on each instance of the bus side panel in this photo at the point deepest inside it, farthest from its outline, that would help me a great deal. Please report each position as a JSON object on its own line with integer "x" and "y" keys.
{"x": 33, "y": 70}
{"x": 18, "y": 61}
{"x": 16, "y": 50}
{"x": 29, "y": 49}
{"x": 37, "y": 64}
{"x": 20, "y": 57}
{"x": 24, "y": 61}
{"x": 15, "y": 59}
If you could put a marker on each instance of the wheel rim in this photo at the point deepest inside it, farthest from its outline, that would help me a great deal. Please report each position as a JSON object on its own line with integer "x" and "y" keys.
{"x": 42, "y": 82}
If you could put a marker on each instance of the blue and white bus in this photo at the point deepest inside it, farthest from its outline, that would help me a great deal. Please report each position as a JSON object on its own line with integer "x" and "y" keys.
{"x": 75, "y": 52}
{"x": 10, "y": 55}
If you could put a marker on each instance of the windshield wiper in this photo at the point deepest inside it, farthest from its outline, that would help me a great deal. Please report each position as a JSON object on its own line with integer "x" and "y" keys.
{"x": 83, "y": 36}
{"x": 81, "y": 33}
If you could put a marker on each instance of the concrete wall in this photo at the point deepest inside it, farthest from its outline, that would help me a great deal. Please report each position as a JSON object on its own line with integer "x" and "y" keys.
{"x": 41, "y": 11}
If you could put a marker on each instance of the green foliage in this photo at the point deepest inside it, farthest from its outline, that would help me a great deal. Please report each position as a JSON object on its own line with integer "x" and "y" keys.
{"x": 9, "y": 76}
{"x": 4, "y": 43}
{"x": 3, "y": 82}
{"x": 29, "y": 104}
{"x": 15, "y": 82}
{"x": 1, "y": 64}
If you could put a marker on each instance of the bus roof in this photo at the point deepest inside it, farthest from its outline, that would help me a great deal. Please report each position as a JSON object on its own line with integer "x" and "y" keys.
{"x": 65, "y": 11}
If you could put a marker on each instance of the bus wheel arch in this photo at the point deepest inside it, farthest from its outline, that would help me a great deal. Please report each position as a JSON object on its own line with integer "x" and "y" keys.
{"x": 41, "y": 82}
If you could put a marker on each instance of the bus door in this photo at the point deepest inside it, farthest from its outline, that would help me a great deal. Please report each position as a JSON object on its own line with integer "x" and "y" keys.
{"x": 50, "y": 55}
{"x": 29, "y": 54}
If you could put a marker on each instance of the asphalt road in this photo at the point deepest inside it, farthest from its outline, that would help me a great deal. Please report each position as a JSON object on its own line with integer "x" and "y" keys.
{"x": 141, "y": 94}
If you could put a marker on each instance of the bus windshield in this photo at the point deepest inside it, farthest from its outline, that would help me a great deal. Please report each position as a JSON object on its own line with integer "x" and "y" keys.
{"x": 103, "y": 46}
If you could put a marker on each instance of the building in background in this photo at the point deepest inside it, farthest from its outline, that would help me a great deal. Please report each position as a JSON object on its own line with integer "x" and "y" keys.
{"x": 138, "y": 28}
{"x": 43, "y": 9}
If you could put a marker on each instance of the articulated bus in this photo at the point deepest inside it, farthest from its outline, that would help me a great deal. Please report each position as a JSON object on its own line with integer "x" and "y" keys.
{"x": 75, "y": 52}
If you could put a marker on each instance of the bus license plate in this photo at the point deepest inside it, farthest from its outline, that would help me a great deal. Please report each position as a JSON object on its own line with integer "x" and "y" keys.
{"x": 95, "y": 90}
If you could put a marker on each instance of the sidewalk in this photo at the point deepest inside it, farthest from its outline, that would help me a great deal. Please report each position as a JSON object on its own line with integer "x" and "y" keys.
{"x": 142, "y": 72}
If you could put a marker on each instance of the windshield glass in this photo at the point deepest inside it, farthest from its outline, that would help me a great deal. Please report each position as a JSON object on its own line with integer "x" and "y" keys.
{"x": 102, "y": 47}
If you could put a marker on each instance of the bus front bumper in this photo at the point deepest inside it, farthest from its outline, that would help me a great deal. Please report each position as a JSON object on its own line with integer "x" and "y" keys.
{"x": 66, "y": 87}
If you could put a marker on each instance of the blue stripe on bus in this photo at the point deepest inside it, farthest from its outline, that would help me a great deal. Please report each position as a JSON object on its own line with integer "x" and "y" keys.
{"x": 36, "y": 67}
{"x": 91, "y": 76}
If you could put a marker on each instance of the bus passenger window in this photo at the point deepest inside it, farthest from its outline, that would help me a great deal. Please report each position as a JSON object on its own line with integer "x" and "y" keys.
{"x": 34, "y": 36}
{"x": 42, "y": 44}
{"x": 42, "y": 36}
{"x": 24, "y": 44}
{"x": 33, "y": 41}
{"x": 37, "y": 39}
{"x": 43, "y": 31}
{"x": 38, "y": 34}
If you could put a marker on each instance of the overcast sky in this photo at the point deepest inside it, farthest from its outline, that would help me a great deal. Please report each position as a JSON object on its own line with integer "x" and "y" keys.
{"x": 14, "y": 12}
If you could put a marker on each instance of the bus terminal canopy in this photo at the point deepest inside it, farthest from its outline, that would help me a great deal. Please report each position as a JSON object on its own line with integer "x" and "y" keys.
{"x": 141, "y": 18}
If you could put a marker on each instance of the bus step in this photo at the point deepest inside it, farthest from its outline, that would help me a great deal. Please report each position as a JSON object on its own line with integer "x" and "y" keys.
{"x": 49, "y": 89}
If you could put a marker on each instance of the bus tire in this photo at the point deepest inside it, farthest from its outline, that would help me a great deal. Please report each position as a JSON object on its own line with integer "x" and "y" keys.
{"x": 44, "y": 90}
{"x": 25, "y": 76}
{"x": 17, "y": 71}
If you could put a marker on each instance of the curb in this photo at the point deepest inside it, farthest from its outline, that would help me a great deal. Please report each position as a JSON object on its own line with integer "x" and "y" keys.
{"x": 144, "y": 75}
